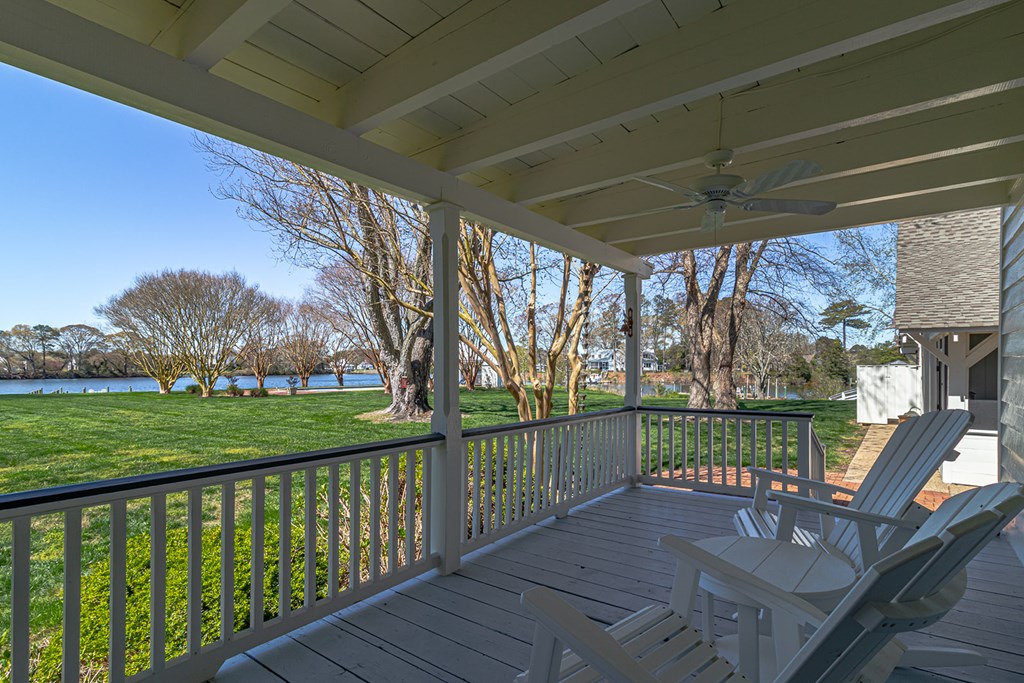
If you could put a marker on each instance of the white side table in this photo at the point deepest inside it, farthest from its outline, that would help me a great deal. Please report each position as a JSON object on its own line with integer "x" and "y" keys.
{"x": 814, "y": 575}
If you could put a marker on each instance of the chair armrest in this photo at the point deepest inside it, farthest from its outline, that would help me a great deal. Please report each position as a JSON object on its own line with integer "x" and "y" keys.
{"x": 687, "y": 553}
{"x": 760, "y": 472}
{"x": 590, "y": 642}
{"x": 867, "y": 522}
{"x": 826, "y": 508}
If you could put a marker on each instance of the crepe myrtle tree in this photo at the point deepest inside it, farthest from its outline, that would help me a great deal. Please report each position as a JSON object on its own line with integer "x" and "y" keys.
{"x": 186, "y": 321}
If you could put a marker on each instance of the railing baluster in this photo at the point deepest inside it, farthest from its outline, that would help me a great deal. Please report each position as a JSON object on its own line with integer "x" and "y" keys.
{"x": 661, "y": 455}
{"x": 355, "y": 523}
{"x": 506, "y": 448}
{"x": 545, "y": 468}
{"x": 785, "y": 448}
{"x": 158, "y": 581}
{"x": 374, "y": 519}
{"x": 333, "y": 529}
{"x": 533, "y": 470}
{"x": 768, "y": 443}
{"x": 21, "y": 562}
{"x": 477, "y": 453}
{"x": 392, "y": 513}
{"x": 647, "y": 436}
{"x": 711, "y": 448}
{"x": 284, "y": 546}
{"x": 671, "y": 446}
{"x": 488, "y": 451}
{"x": 71, "y": 641}
{"x": 739, "y": 451}
{"x": 753, "y": 445}
{"x": 309, "y": 542}
{"x": 227, "y": 561}
{"x": 696, "y": 447}
{"x": 684, "y": 421}
{"x": 195, "y": 572}
{"x": 410, "y": 508}
{"x": 425, "y": 494}
{"x": 725, "y": 449}
{"x": 259, "y": 491}
{"x": 118, "y": 589}
{"x": 499, "y": 480}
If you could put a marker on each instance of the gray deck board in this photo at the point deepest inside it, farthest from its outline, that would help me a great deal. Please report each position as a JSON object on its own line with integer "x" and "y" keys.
{"x": 604, "y": 559}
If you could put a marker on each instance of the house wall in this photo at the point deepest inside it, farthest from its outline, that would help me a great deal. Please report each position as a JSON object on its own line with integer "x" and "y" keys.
{"x": 1011, "y": 405}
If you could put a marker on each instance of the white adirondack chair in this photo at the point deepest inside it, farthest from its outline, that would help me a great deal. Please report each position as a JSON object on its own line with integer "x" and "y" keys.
{"x": 908, "y": 590}
{"x": 913, "y": 454}
{"x": 1001, "y": 497}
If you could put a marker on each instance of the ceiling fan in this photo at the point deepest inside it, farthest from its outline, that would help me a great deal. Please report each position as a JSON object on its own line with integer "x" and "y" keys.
{"x": 718, "y": 191}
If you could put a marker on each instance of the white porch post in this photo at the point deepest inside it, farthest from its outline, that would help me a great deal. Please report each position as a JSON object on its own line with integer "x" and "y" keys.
{"x": 445, "y": 511}
{"x": 633, "y": 285}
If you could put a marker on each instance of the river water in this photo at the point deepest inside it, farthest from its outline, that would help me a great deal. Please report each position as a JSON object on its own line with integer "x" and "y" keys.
{"x": 117, "y": 384}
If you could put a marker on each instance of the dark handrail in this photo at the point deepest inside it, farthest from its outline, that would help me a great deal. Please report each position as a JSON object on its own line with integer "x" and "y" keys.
{"x": 59, "y": 494}
{"x": 740, "y": 413}
{"x": 546, "y": 422}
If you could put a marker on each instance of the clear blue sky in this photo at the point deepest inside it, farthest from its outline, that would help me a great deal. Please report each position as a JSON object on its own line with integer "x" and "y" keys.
{"x": 93, "y": 193}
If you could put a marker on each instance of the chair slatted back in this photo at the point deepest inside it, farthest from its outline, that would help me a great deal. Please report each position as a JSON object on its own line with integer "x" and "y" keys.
{"x": 907, "y": 590}
{"x": 913, "y": 454}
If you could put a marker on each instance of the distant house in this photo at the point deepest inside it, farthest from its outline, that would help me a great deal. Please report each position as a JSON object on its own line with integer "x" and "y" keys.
{"x": 488, "y": 378}
{"x": 607, "y": 360}
{"x": 947, "y": 316}
{"x": 650, "y": 363}
{"x": 614, "y": 360}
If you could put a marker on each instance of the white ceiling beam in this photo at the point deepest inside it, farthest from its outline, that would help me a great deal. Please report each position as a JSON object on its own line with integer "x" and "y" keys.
{"x": 478, "y": 40}
{"x": 980, "y": 59}
{"x": 946, "y": 131}
{"x": 40, "y": 37}
{"x": 860, "y": 215}
{"x": 206, "y": 31}
{"x": 984, "y": 166}
{"x": 744, "y": 42}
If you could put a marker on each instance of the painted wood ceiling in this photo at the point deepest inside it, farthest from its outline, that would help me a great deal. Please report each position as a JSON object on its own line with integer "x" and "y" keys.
{"x": 553, "y": 108}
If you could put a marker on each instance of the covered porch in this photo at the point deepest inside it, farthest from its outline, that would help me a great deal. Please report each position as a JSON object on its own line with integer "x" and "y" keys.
{"x": 567, "y": 125}
{"x": 603, "y": 557}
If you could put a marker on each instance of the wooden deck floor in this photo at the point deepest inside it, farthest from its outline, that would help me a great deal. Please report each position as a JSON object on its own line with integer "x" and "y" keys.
{"x": 604, "y": 558}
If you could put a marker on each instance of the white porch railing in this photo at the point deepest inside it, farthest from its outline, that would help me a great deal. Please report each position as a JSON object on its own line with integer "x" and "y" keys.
{"x": 234, "y": 555}
{"x": 351, "y": 522}
{"x": 709, "y": 450}
{"x": 516, "y": 475}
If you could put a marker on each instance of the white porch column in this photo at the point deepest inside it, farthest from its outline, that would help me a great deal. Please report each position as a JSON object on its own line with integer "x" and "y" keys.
{"x": 633, "y": 285}
{"x": 445, "y": 511}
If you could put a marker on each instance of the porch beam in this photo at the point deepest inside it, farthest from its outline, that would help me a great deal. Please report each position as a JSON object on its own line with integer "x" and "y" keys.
{"x": 855, "y": 216}
{"x": 446, "y": 472}
{"x": 979, "y": 352}
{"x": 928, "y": 346}
{"x": 40, "y": 37}
{"x": 959, "y": 128}
{"x": 478, "y": 40}
{"x": 740, "y": 44}
{"x": 206, "y": 31}
{"x": 980, "y": 167}
{"x": 978, "y": 60}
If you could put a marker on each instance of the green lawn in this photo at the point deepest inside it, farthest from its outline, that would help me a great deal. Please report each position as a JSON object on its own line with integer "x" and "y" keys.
{"x": 63, "y": 439}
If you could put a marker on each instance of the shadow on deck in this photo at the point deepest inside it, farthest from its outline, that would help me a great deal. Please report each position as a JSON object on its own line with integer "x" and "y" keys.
{"x": 604, "y": 559}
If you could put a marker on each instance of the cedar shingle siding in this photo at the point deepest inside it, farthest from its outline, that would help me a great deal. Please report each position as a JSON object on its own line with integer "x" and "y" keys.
{"x": 947, "y": 271}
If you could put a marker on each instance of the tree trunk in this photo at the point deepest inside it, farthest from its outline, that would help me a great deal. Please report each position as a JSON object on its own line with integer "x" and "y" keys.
{"x": 747, "y": 260}
{"x": 700, "y": 310}
{"x": 260, "y": 379}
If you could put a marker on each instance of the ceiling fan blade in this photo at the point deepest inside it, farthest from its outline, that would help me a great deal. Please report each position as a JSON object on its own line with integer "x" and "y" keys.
{"x": 783, "y": 175}
{"x": 805, "y": 206}
{"x": 692, "y": 195}
{"x": 713, "y": 220}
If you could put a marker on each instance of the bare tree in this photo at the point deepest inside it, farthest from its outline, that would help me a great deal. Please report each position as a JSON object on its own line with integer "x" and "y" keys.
{"x": 492, "y": 270}
{"x": 764, "y": 345}
{"x": 337, "y": 295}
{"x": 77, "y": 341}
{"x": 259, "y": 349}
{"x": 867, "y": 259}
{"x": 147, "y": 329}
{"x": 470, "y": 362}
{"x": 305, "y": 339}
{"x": 319, "y": 221}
